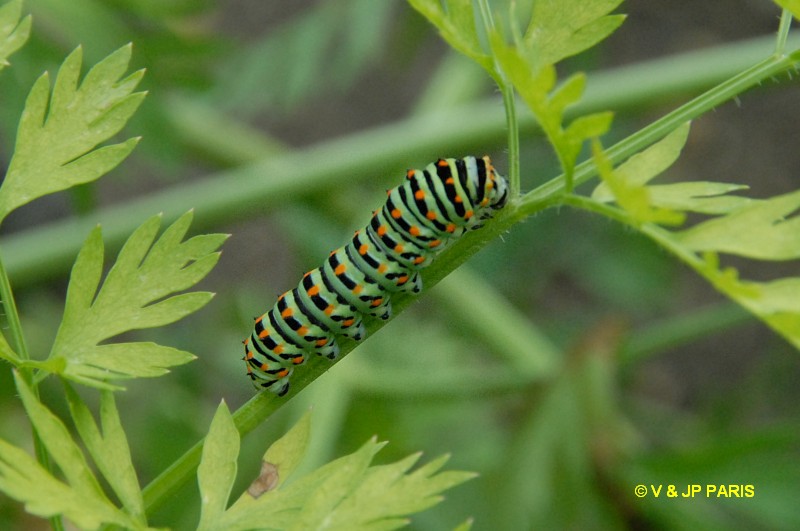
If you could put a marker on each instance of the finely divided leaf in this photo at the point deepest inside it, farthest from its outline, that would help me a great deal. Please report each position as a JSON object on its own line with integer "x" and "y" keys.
{"x": 628, "y": 185}
{"x": 13, "y": 33}
{"x": 562, "y": 28}
{"x": 137, "y": 293}
{"x": 217, "y": 469}
{"x": 457, "y": 25}
{"x": 633, "y": 198}
{"x": 286, "y": 453}
{"x": 390, "y": 492}
{"x": 58, "y": 134}
{"x": 759, "y": 229}
{"x": 642, "y": 167}
{"x": 108, "y": 446}
{"x": 762, "y": 229}
{"x": 80, "y": 499}
{"x": 345, "y": 494}
{"x": 698, "y": 196}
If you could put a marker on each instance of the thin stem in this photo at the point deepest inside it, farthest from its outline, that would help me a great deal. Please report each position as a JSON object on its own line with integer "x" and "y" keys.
{"x": 12, "y": 316}
{"x": 783, "y": 32}
{"x": 509, "y": 101}
{"x": 21, "y": 349}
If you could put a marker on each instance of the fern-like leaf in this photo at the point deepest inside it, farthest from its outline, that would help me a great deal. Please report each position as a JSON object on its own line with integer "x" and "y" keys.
{"x": 58, "y": 133}
{"x": 108, "y": 446}
{"x": 13, "y": 32}
{"x": 760, "y": 229}
{"x": 562, "y": 28}
{"x": 345, "y": 494}
{"x": 79, "y": 497}
{"x": 137, "y": 293}
{"x": 457, "y": 25}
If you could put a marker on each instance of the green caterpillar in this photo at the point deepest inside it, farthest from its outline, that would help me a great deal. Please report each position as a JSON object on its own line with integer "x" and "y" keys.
{"x": 428, "y": 211}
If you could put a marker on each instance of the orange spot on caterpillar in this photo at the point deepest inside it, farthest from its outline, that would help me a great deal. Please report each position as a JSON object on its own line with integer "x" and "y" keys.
{"x": 382, "y": 268}
{"x": 398, "y": 248}
{"x": 414, "y": 230}
{"x": 287, "y": 313}
{"x": 431, "y": 215}
{"x": 418, "y": 260}
{"x": 358, "y": 289}
{"x": 442, "y": 163}
{"x": 435, "y": 243}
{"x": 313, "y": 290}
{"x": 329, "y": 309}
{"x": 469, "y": 214}
{"x": 397, "y": 214}
{"x": 362, "y": 250}
{"x": 451, "y": 228}
{"x": 419, "y": 195}
{"x": 340, "y": 269}
{"x": 381, "y": 230}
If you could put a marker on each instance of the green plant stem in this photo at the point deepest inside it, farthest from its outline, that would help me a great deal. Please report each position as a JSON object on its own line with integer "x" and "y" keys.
{"x": 509, "y": 102}
{"x": 17, "y": 342}
{"x": 20, "y": 347}
{"x": 783, "y": 32}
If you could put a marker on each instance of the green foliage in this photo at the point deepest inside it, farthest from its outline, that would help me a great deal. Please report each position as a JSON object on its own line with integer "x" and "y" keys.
{"x": 135, "y": 295}
{"x": 759, "y": 229}
{"x": 347, "y": 493}
{"x": 556, "y": 30}
{"x": 57, "y": 149}
{"x": 559, "y": 29}
{"x": 79, "y": 497}
{"x": 13, "y": 33}
{"x": 556, "y": 447}
{"x": 58, "y": 134}
{"x": 457, "y": 25}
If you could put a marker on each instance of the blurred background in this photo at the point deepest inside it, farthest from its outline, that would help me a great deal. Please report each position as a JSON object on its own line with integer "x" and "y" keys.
{"x": 566, "y": 363}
